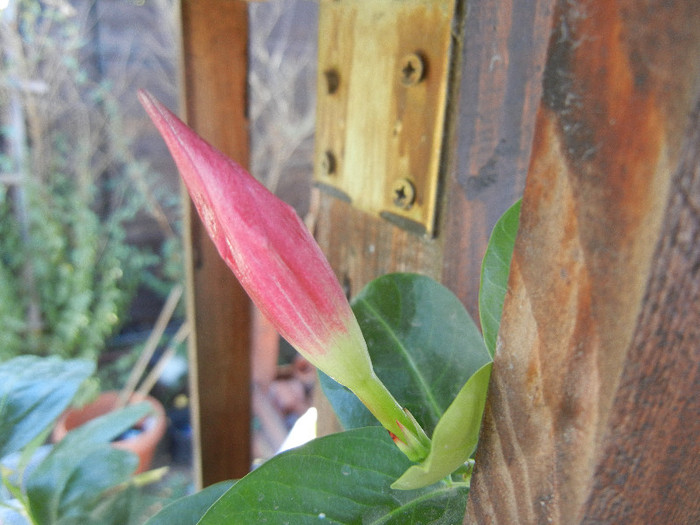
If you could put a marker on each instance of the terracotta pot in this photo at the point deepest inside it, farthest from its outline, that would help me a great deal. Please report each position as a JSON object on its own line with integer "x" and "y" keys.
{"x": 143, "y": 444}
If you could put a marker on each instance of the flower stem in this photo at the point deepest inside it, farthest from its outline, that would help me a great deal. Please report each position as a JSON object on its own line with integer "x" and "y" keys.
{"x": 405, "y": 430}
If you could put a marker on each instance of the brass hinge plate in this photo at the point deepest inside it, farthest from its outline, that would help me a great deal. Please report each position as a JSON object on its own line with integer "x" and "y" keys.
{"x": 382, "y": 90}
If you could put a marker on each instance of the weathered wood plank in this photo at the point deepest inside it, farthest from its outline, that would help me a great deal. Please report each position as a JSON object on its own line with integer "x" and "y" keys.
{"x": 592, "y": 414}
{"x": 500, "y": 65}
{"x": 215, "y": 65}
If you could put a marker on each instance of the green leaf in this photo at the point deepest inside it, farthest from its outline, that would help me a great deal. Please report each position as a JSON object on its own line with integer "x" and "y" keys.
{"x": 423, "y": 344}
{"x": 102, "y": 468}
{"x": 120, "y": 507}
{"x": 34, "y": 391}
{"x": 495, "y": 269}
{"x": 188, "y": 510}
{"x": 339, "y": 479}
{"x": 67, "y": 480}
{"x": 455, "y": 437}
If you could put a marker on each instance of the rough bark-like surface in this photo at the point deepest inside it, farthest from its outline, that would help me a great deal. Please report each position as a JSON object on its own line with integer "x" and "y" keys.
{"x": 650, "y": 470}
{"x": 594, "y": 399}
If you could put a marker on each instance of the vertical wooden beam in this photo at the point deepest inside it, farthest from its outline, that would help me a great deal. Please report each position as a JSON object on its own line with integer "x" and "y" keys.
{"x": 215, "y": 38}
{"x": 592, "y": 416}
{"x": 498, "y": 86}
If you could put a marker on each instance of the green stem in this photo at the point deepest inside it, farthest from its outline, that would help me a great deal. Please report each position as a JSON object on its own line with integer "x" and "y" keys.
{"x": 377, "y": 398}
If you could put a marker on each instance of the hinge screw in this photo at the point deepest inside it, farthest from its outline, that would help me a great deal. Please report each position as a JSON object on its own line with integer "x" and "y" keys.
{"x": 403, "y": 193}
{"x": 412, "y": 69}
{"x": 332, "y": 81}
{"x": 328, "y": 164}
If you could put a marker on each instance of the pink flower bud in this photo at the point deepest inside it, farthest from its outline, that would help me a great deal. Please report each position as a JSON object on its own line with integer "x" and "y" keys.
{"x": 270, "y": 250}
{"x": 281, "y": 267}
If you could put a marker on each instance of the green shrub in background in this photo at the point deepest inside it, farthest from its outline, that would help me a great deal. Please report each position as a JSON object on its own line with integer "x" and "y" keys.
{"x": 69, "y": 188}
{"x": 76, "y": 270}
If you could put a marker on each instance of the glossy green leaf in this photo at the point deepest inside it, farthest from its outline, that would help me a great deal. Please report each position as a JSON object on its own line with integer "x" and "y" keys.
{"x": 188, "y": 510}
{"x": 494, "y": 274}
{"x": 423, "y": 344}
{"x": 34, "y": 391}
{"x": 455, "y": 437}
{"x": 82, "y": 465}
{"x": 339, "y": 479}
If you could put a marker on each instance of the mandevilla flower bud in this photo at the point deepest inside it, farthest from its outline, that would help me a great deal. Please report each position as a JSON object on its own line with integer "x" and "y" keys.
{"x": 283, "y": 270}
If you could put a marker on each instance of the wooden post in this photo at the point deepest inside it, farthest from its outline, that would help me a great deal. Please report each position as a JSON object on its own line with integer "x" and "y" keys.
{"x": 497, "y": 89}
{"x": 215, "y": 65}
{"x": 592, "y": 415}
{"x": 498, "y": 55}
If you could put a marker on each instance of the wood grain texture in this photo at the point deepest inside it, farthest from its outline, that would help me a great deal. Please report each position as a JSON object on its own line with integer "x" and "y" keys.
{"x": 592, "y": 411}
{"x": 374, "y": 122}
{"x": 498, "y": 57}
{"x": 650, "y": 466}
{"x": 215, "y": 66}
{"x": 498, "y": 89}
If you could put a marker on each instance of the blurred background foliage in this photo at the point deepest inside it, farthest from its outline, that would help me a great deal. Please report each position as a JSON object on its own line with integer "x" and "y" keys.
{"x": 86, "y": 220}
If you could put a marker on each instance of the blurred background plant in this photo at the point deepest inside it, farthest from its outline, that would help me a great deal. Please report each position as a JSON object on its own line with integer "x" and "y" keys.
{"x": 90, "y": 206}
{"x": 74, "y": 197}
{"x": 82, "y": 478}
{"x": 282, "y": 98}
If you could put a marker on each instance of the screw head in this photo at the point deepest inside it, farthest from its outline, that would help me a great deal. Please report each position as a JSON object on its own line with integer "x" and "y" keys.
{"x": 328, "y": 163}
{"x": 403, "y": 193}
{"x": 412, "y": 69}
{"x": 332, "y": 81}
